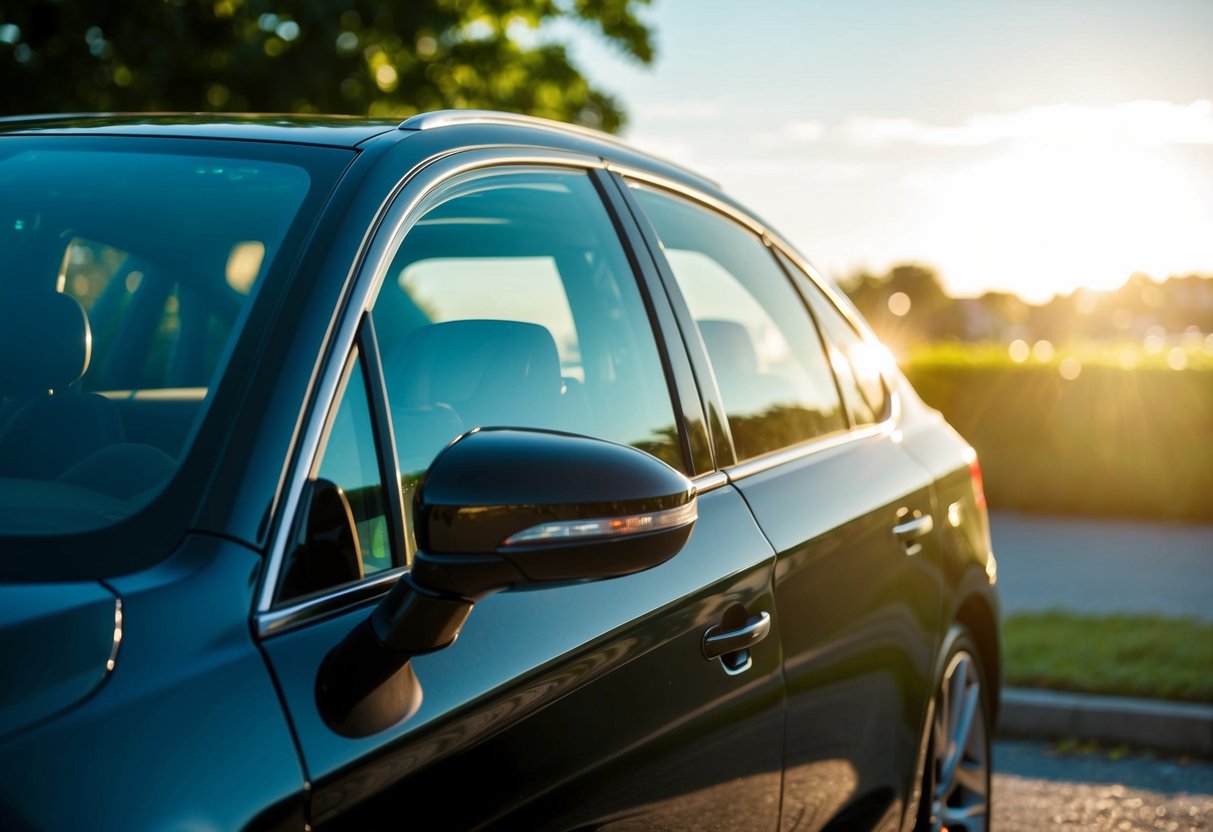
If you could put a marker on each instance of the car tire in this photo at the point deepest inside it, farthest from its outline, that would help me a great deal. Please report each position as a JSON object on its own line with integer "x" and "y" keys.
{"x": 956, "y": 770}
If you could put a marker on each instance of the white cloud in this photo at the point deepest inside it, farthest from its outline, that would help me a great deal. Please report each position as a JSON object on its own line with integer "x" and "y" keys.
{"x": 803, "y": 131}
{"x": 1148, "y": 123}
{"x": 685, "y": 110}
{"x": 805, "y": 172}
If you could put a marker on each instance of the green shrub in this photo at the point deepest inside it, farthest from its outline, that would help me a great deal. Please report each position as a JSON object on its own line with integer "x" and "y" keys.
{"x": 1112, "y": 441}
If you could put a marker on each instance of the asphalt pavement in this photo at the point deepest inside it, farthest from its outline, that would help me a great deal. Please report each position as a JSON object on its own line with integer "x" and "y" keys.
{"x": 1099, "y": 567}
{"x": 1103, "y": 567}
{"x": 1073, "y": 786}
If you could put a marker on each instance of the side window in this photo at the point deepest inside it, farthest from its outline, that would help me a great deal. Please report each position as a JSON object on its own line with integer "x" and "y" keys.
{"x": 348, "y": 459}
{"x": 856, "y": 360}
{"x": 511, "y": 302}
{"x": 765, "y": 350}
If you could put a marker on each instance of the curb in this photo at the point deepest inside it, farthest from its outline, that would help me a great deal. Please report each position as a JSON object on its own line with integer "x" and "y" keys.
{"x": 1182, "y": 727}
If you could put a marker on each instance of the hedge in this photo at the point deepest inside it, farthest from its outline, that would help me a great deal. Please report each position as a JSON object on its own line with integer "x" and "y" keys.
{"x": 1113, "y": 441}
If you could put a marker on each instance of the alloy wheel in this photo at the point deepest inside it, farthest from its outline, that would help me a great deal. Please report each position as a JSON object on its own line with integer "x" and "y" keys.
{"x": 960, "y": 758}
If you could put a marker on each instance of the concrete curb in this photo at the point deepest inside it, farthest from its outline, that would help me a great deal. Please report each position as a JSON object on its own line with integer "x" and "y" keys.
{"x": 1168, "y": 726}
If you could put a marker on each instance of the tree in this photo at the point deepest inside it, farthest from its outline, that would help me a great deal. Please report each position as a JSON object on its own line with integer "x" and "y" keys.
{"x": 926, "y": 313}
{"x": 374, "y": 57}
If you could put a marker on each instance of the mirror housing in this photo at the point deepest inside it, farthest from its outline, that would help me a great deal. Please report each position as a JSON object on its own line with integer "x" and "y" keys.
{"x": 502, "y": 508}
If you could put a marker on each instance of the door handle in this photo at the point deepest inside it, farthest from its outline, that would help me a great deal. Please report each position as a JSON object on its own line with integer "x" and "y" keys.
{"x": 718, "y": 642}
{"x": 909, "y": 532}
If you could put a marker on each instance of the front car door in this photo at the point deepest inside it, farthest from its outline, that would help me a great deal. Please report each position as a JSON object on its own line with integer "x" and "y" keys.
{"x": 498, "y": 293}
{"x": 817, "y": 459}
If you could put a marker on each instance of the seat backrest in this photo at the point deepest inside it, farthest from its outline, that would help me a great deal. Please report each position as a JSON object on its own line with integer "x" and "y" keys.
{"x": 489, "y": 372}
{"x": 45, "y": 347}
{"x": 44, "y": 342}
{"x": 730, "y": 347}
{"x": 745, "y": 388}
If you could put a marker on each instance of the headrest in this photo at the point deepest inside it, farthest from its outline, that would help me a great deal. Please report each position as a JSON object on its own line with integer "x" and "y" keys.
{"x": 492, "y": 372}
{"x": 45, "y": 341}
{"x": 729, "y": 346}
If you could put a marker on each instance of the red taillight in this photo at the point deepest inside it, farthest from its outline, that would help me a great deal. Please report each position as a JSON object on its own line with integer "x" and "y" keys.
{"x": 979, "y": 493}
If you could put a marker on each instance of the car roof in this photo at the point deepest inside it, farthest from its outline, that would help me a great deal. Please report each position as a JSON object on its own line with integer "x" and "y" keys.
{"x": 349, "y": 131}
{"x": 333, "y": 131}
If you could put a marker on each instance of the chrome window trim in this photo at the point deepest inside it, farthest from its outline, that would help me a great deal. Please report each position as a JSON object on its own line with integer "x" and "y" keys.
{"x": 710, "y": 482}
{"x": 842, "y": 305}
{"x": 816, "y": 445}
{"x": 396, "y": 219}
{"x": 771, "y": 239}
{"x": 646, "y": 177}
{"x": 282, "y": 619}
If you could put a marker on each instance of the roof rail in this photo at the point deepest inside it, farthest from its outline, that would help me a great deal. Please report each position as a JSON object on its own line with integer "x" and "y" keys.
{"x": 448, "y": 118}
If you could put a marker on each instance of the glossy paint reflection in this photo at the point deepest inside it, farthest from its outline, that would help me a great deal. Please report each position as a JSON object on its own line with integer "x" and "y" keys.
{"x": 860, "y": 618}
{"x": 594, "y": 698}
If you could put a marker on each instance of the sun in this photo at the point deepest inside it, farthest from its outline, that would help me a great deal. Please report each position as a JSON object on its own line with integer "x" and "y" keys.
{"x": 1042, "y": 219}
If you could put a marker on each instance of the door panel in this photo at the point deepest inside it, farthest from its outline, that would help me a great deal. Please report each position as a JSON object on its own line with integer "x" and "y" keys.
{"x": 858, "y": 607}
{"x": 859, "y": 621}
{"x": 577, "y": 707}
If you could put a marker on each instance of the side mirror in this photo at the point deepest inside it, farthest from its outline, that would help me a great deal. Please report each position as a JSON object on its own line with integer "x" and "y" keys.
{"x": 503, "y": 508}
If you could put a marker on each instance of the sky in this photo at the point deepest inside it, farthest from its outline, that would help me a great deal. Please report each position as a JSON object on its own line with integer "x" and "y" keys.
{"x": 1032, "y": 147}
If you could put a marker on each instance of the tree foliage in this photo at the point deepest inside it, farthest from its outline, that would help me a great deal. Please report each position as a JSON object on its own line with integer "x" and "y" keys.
{"x": 927, "y": 314}
{"x": 374, "y": 57}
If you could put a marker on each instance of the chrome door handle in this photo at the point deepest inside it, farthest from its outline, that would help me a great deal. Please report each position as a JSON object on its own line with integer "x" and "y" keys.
{"x": 718, "y": 643}
{"x": 909, "y": 532}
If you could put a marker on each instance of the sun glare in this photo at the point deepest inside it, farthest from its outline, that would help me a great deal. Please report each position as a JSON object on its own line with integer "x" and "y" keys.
{"x": 1042, "y": 219}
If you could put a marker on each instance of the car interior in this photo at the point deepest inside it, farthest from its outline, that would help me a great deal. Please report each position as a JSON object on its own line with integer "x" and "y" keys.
{"x": 117, "y": 305}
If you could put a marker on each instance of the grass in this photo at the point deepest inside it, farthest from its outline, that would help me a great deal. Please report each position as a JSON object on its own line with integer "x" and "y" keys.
{"x": 1118, "y": 655}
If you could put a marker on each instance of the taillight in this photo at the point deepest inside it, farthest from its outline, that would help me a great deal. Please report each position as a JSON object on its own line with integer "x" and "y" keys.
{"x": 979, "y": 493}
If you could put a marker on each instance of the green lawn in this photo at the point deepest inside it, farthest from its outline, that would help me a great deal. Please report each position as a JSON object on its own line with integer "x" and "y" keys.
{"x": 1119, "y": 655}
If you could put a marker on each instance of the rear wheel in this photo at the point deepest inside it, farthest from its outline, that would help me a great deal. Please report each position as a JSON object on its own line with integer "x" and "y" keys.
{"x": 956, "y": 780}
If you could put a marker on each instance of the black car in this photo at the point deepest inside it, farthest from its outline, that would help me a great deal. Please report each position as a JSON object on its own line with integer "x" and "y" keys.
{"x": 320, "y": 438}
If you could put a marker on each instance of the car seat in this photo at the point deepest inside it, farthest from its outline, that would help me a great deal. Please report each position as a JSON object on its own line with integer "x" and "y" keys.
{"x": 446, "y": 378}
{"x": 46, "y": 424}
{"x": 745, "y": 389}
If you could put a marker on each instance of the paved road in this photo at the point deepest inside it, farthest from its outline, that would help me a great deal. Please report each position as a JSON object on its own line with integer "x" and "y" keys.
{"x": 1038, "y": 787}
{"x": 1103, "y": 566}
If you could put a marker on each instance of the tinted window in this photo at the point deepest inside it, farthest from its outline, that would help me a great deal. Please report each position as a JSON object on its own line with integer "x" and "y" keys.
{"x": 768, "y": 359}
{"x": 856, "y": 360}
{"x": 511, "y": 303}
{"x": 349, "y": 459}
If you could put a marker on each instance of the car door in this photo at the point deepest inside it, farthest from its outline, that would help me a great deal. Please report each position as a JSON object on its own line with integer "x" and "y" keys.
{"x": 498, "y": 292}
{"x": 817, "y": 459}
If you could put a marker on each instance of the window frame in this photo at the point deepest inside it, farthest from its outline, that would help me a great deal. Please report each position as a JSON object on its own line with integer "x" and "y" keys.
{"x": 800, "y": 277}
{"x": 401, "y": 209}
{"x": 727, "y": 461}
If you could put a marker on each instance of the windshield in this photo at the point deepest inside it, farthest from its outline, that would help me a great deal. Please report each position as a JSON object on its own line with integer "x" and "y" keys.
{"x": 125, "y": 272}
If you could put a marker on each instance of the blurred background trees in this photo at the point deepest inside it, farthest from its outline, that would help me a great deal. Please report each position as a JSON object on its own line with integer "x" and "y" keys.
{"x": 374, "y": 57}
{"x": 908, "y": 307}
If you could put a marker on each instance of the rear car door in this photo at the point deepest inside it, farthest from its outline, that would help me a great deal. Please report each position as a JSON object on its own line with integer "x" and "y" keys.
{"x": 498, "y": 292}
{"x": 816, "y": 456}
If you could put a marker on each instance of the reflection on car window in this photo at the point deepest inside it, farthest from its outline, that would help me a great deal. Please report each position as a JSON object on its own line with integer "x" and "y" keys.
{"x": 856, "y": 360}
{"x": 768, "y": 359}
{"x": 511, "y": 303}
{"x": 124, "y": 278}
{"x": 349, "y": 459}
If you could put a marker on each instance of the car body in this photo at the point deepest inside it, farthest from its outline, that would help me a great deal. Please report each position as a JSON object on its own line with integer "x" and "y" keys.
{"x": 291, "y": 403}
